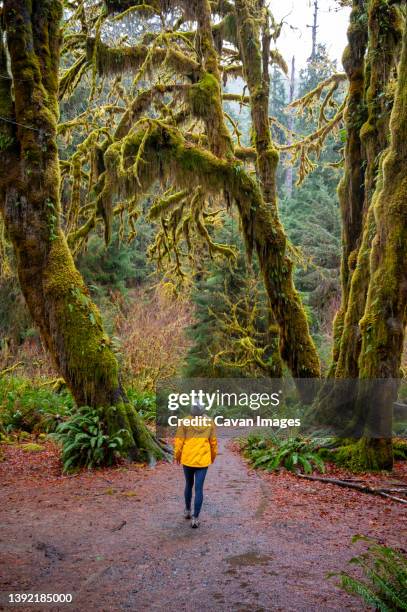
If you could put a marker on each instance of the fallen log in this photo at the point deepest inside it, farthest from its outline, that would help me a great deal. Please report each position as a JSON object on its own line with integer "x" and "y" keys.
{"x": 352, "y": 485}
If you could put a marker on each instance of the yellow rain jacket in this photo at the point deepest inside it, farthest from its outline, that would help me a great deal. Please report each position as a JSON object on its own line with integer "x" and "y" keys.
{"x": 196, "y": 445}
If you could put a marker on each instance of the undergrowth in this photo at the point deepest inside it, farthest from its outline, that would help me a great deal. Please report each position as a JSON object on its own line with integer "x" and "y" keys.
{"x": 384, "y": 583}
{"x": 32, "y": 408}
{"x": 37, "y": 407}
{"x": 85, "y": 442}
{"x": 272, "y": 453}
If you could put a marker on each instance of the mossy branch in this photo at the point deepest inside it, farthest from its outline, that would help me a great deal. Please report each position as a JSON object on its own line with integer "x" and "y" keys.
{"x": 118, "y": 60}
{"x": 315, "y": 94}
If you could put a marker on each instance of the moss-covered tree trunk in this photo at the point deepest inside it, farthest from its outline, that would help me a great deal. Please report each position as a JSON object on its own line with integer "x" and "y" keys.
{"x": 351, "y": 186}
{"x": 297, "y": 347}
{"x": 384, "y": 29}
{"x": 383, "y": 324}
{"x": 55, "y": 293}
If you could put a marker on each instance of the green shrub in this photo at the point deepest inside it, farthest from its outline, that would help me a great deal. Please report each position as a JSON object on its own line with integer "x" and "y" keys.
{"x": 85, "y": 442}
{"x": 272, "y": 453}
{"x": 144, "y": 402}
{"x": 385, "y": 571}
{"x": 31, "y": 448}
{"x": 25, "y": 406}
{"x": 400, "y": 449}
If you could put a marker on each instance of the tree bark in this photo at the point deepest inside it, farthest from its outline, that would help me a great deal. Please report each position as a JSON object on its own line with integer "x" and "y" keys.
{"x": 57, "y": 298}
{"x": 297, "y": 347}
{"x": 351, "y": 186}
{"x": 385, "y": 317}
{"x": 383, "y": 51}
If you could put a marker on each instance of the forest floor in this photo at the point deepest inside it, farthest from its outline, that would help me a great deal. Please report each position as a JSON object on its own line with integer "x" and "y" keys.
{"x": 117, "y": 540}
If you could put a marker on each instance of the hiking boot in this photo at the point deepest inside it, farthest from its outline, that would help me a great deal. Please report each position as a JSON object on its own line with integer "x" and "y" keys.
{"x": 187, "y": 513}
{"x": 194, "y": 523}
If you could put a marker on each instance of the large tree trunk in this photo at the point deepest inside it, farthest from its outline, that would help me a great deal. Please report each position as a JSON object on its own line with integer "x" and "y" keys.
{"x": 383, "y": 52}
{"x": 56, "y": 295}
{"x": 384, "y": 321}
{"x": 351, "y": 186}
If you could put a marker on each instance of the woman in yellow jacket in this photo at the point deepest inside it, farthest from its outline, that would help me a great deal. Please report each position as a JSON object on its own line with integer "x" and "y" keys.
{"x": 195, "y": 447}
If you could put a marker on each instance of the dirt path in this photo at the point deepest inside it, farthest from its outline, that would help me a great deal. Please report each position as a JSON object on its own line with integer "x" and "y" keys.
{"x": 117, "y": 540}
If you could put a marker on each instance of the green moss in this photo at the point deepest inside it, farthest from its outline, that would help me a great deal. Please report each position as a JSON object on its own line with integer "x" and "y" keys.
{"x": 81, "y": 348}
{"x": 384, "y": 38}
{"x": 204, "y": 95}
{"x": 31, "y": 448}
{"x": 117, "y": 60}
{"x": 365, "y": 455}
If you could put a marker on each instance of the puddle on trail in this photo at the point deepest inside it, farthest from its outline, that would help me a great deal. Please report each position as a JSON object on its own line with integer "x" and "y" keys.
{"x": 248, "y": 559}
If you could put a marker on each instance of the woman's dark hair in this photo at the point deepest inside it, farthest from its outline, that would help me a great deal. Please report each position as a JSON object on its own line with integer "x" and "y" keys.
{"x": 197, "y": 409}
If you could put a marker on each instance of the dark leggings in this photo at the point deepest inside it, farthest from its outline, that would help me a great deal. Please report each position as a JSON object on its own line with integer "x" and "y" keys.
{"x": 199, "y": 474}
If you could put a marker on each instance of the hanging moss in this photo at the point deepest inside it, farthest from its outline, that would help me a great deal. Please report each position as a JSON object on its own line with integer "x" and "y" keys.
{"x": 117, "y": 60}
{"x": 167, "y": 155}
{"x": 225, "y": 30}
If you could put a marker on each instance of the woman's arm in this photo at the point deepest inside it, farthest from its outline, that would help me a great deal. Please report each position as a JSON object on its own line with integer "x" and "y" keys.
{"x": 179, "y": 441}
{"x": 213, "y": 443}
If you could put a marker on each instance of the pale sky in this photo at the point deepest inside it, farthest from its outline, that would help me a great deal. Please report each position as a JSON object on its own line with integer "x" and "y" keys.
{"x": 333, "y": 24}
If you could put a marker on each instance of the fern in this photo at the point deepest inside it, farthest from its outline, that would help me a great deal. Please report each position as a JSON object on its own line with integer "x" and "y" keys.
{"x": 272, "y": 453}
{"x": 385, "y": 577}
{"x": 85, "y": 443}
